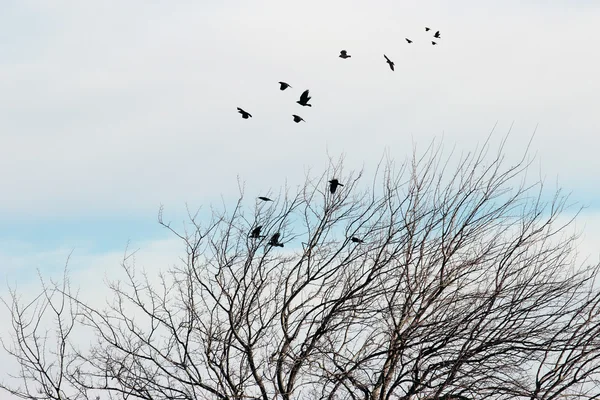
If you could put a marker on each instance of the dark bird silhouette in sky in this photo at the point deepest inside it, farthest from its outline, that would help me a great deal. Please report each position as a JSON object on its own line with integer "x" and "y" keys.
{"x": 437, "y": 35}
{"x": 356, "y": 240}
{"x": 245, "y": 114}
{"x": 333, "y": 185}
{"x": 344, "y": 54}
{"x": 427, "y": 29}
{"x": 255, "y": 234}
{"x": 390, "y": 62}
{"x": 297, "y": 118}
{"x": 408, "y": 40}
{"x": 275, "y": 240}
{"x": 304, "y": 98}
{"x": 263, "y": 198}
{"x": 433, "y": 43}
{"x": 283, "y": 85}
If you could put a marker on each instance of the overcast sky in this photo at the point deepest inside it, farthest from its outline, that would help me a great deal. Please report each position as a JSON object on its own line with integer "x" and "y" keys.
{"x": 110, "y": 108}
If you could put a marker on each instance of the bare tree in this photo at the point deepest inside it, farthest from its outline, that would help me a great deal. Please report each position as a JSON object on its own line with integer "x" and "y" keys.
{"x": 459, "y": 285}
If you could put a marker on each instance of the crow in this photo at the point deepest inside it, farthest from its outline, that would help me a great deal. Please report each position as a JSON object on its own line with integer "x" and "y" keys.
{"x": 297, "y": 118}
{"x": 263, "y": 198}
{"x": 255, "y": 234}
{"x": 304, "y": 98}
{"x": 344, "y": 54}
{"x": 389, "y": 62}
{"x": 356, "y": 240}
{"x": 333, "y": 184}
{"x": 275, "y": 240}
{"x": 245, "y": 114}
{"x": 427, "y": 29}
{"x": 433, "y": 43}
{"x": 437, "y": 35}
{"x": 408, "y": 40}
{"x": 283, "y": 85}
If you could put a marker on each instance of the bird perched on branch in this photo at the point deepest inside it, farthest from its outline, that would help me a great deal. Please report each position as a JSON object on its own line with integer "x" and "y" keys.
{"x": 344, "y": 54}
{"x": 356, "y": 240}
{"x": 245, "y": 114}
{"x": 297, "y": 118}
{"x": 283, "y": 85}
{"x": 255, "y": 234}
{"x": 275, "y": 240}
{"x": 390, "y": 62}
{"x": 333, "y": 185}
{"x": 304, "y": 98}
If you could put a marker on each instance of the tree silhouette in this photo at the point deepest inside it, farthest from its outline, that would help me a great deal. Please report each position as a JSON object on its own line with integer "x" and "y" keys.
{"x": 465, "y": 288}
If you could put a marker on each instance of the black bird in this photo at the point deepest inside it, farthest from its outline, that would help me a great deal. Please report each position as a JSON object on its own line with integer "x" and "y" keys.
{"x": 408, "y": 40}
{"x": 245, "y": 114}
{"x": 437, "y": 35}
{"x": 433, "y": 43}
{"x": 427, "y": 29}
{"x": 304, "y": 98}
{"x": 297, "y": 118}
{"x": 255, "y": 234}
{"x": 389, "y": 62}
{"x": 344, "y": 54}
{"x": 333, "y": 184}
{"x": 263, "y": 198}
{"x": 356, "y": 240}
{"x": 275, "y": 240}
{"x": 283, "y": 85}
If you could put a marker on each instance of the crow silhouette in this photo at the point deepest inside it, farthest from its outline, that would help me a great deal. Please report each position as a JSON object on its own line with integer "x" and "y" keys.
{"x": 275, "y": 240}
{"x": 389, "y": 62}
{"x": 297, "y": 118}
{"x": 304, "y": 98}
{"x": 283, "y": 85}
{"x": 408, "y": 40}
{"x": 255, "y": 234}
{"x": 433, "y": 43}
{"x": 344, "y": 54}
{"x": 356, "y": 240}
{"x": 333, "y": 185}
{"x": 437, "y": 35}
{"x": 427, "y": 29}
{"x": 263, "y": 198}
{"x": 245, "y": 114}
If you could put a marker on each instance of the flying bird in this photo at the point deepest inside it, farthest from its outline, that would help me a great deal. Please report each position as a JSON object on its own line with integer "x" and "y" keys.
{"x": 255, "y": 234}
{"x": 283, "y": 85}
{"x": 245, "y": 114}
{"x": 275, "y": 240}
{"x": 304, "y": 98}
{"x": 344, "y": 54}
{"x": 356, "y": 240}
{"x": 297, "y": 118}
{"x": 333, "y": 184}
{"x": 433, "y": 43}
{"x": 427, "y": 29}
{"x": 408, "y": 40}
{"x": 263, "y": 198}
{"x": 389, "y": 62}
{"x": 437, "y": 35}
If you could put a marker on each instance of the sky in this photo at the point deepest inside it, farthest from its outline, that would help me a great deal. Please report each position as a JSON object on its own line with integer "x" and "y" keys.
{"x": 110, "y": 109}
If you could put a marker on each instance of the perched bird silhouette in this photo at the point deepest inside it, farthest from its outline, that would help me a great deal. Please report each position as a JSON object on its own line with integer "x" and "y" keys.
{"x": 427, "y": 29}
{"x": 297, "y": 118}
{"x": 344, "y": 54}
{"x": 333, "y": 184}
{"x": 389, "y": 62}
{"x": 255, "y": 234}
{"x": 283, "y": 85}
{"x": 263, "y": 198}
{"x": 356, "y": 240}
{"x": 304, "y": 98}
{"x": 275, "y": 240}
{"x": 433, "y": 43}
{"x": 437, "y": 35}
{"x": 245, "y": 114}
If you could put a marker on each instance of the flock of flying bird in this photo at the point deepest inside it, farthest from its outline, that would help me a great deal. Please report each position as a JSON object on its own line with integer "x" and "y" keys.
{"x": 274, "y": 241}
{"x": 305, "y": 98}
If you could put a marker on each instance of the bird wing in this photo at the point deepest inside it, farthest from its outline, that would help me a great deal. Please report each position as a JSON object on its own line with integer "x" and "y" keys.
{"x": 343, "y": 52}
{"x": 275, "y": 237}
{"x": 240, "y": 110}
{"x": 304, "y": 97}
{"x": 387, "y": 59}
